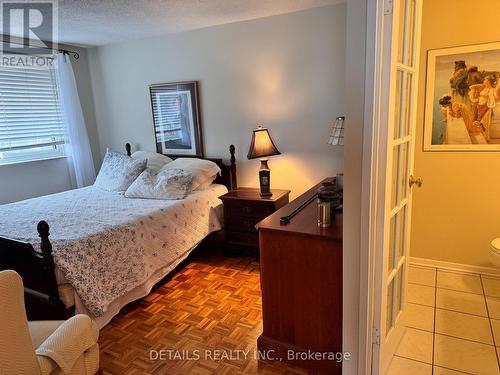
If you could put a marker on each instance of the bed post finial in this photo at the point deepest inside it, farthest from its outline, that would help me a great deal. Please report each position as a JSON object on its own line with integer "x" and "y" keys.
{"x": 234, "y": 183}
{"x": 44, "y": 233}
{"x": 128, "y": 148}
{"x": 233, "y": 158}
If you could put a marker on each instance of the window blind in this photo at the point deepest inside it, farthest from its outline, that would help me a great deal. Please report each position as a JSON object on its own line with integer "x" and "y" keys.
{"x": 31, "y": 119}
{"x": 167, "y": 115}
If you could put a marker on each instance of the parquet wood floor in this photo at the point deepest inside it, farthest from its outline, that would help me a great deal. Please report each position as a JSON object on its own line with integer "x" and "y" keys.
{"x": 209, "y": 309}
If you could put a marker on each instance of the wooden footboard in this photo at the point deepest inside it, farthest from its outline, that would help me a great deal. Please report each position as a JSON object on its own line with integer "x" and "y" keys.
{"x": 37, "y": 271}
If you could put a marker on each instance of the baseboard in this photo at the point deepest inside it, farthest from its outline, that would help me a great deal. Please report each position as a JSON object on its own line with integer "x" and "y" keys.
{"x": 454, "y": 266}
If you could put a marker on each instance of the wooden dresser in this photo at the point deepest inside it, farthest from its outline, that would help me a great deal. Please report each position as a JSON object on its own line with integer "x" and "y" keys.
{"x": 243, "y": 208}
{"x": 301, "y": 281}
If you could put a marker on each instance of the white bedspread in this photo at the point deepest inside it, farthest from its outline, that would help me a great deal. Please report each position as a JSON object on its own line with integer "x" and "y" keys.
{"x": 105, "y": 244}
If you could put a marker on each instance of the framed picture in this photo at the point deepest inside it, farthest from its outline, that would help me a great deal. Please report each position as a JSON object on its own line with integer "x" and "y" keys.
{"x": 462, "y": 96}
{"x": 176, "y": 118}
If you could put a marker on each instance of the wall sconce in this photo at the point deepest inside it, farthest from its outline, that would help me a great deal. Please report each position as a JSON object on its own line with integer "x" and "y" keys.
{"x": 337, "y": 133}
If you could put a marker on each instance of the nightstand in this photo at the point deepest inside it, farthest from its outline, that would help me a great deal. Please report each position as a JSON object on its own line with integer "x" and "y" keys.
{"x": 243, "y": 209}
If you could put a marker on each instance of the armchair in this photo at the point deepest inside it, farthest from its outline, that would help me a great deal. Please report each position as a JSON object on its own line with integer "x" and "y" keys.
{"x": 42, "y": 347}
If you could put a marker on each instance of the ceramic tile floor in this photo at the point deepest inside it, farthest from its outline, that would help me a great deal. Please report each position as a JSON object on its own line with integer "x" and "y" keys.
{"x": 453, "y": 324}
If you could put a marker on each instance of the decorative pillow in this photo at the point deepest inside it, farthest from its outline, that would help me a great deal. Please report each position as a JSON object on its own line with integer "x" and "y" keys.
{"x": 167, "y": 184}
{"x": 155, "y": 160}
{"x": 118, "y": 171}
{"x": 203, "y": 171}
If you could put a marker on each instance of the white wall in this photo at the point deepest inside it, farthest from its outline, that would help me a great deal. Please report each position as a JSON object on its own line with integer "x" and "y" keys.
{"x": 32, "y": 179}
{"x": 286, "y": 72}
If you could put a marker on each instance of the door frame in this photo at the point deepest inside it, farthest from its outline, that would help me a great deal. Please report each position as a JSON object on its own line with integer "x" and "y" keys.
{"x": 375, "y": 153}
{"x": 370, "y": 193}
{"x": 364, "y": 162}
{"x": 373, "y": 177}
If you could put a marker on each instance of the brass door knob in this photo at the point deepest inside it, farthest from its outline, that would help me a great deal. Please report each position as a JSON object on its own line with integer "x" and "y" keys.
{"x": 418, "y": 181}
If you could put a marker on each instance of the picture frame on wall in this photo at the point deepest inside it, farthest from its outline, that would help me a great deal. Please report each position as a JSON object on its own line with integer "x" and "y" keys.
{"x": 176, "y": 118}
{"x": 462, "y": 99}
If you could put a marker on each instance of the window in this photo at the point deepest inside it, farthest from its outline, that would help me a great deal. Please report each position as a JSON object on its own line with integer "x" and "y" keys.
{"x": 31, "y": 117}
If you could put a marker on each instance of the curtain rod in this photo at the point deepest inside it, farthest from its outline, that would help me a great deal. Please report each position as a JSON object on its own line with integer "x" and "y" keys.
{"x": 75, "y": 54}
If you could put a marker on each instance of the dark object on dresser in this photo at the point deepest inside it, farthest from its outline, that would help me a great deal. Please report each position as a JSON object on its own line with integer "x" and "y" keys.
{"x": 37, "y": 268}
{"x": 301, "y": 282}
{"x": 243, "y": 208}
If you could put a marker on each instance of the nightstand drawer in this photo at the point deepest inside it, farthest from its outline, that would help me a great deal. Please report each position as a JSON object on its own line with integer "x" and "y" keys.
{"x": 250, "y": 209}
{"x": 241, "y": 238}
{"x": 244, "y": 208}
{"x": 243, "y": 223}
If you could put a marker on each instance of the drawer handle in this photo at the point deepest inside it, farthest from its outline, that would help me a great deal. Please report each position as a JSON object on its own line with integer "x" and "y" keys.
{"x": 247, "y": 209}
{"x": 248, "y": 223}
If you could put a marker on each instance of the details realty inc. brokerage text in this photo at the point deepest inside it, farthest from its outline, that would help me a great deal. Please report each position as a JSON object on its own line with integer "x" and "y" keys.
{"x": 220, "y": 355}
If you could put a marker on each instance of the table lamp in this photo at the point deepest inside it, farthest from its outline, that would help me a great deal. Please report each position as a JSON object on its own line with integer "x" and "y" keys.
{"x": 261, "y": 147}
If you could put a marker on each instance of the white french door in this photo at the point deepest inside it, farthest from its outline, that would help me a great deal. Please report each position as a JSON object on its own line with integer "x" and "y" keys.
{"x": 399, "y": 84}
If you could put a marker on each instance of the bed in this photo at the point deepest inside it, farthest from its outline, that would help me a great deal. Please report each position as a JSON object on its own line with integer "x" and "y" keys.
{"x": 104, "y": 250}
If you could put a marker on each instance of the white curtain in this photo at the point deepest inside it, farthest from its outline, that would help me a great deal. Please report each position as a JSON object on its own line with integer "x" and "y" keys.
{"x": 79, "y": 156}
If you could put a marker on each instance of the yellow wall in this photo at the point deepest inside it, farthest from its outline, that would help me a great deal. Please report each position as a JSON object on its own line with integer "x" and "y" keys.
{"x": 456, "y": 213}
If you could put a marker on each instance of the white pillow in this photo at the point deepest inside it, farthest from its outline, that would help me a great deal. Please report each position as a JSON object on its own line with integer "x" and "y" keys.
{"x": 167, "y": 184}
{"x": 203, "y": 171}
{"x": 118, "y": 171}
{"x": 206, "y": 185}
{"x": 155, "y": 160}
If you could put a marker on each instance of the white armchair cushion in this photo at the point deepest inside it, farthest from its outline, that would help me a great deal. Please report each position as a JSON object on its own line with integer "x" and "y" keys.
{"x": 68, "y": 344}
{"x": 64, "y": 347}
{"x": 17, "y": 354}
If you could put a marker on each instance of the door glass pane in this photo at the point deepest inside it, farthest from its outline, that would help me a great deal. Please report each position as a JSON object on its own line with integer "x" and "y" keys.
{"x": 402, "y": 31}
{"x": 398, "y": 295}
{"x": 401, "y": 237}
{"x": 397, "y": 239}
{"x": 400, "y": 170}
{"x": 390, "y": 305}
{"x": 411, "y": 6}
{"x": 405, "y": 111}
{"x": 397, "y": 104}
{"x": 395, "y": 176}
{"x": 405, "y": 33}
{"x": 392, "y": 244}
{"x": 403, "y": 171}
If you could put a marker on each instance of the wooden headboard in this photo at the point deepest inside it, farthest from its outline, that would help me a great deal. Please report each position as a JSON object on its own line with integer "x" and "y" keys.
{"x": 228, "y": 172}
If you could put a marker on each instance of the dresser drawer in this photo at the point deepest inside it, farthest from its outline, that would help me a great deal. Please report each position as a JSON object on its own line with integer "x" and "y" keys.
{"x": 241, "y": 238}
{"x": 258, "y": 210}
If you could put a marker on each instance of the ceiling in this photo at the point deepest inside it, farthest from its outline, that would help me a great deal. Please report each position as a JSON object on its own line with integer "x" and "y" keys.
{"x": 99, "y": 22}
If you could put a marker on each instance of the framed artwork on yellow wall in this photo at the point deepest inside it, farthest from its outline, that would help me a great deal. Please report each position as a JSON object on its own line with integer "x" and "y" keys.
{"x": 462, "y": 100}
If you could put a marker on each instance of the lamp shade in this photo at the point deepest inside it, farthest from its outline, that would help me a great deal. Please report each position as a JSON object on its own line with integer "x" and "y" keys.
{"x": 262, "y": 145}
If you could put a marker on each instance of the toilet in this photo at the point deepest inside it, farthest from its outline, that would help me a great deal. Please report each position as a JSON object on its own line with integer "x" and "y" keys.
{"x": 495, "y": 252}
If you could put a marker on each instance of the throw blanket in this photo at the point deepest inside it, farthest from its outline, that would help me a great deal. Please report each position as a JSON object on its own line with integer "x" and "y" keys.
{"x": 106, "y": 244}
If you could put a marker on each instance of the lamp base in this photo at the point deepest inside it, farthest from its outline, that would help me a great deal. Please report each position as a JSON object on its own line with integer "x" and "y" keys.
{"x": 265, "y": 179}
